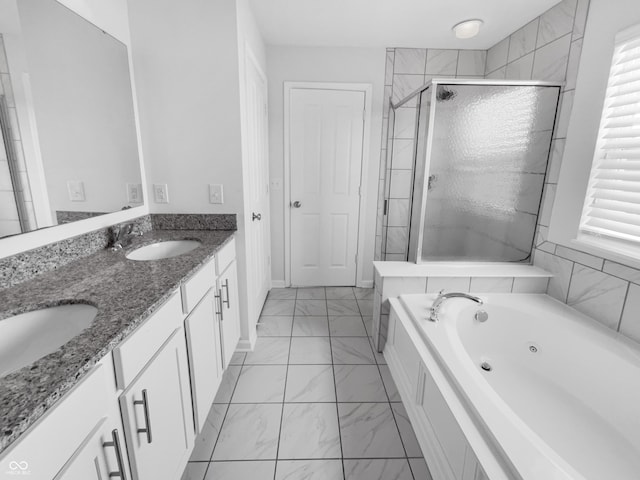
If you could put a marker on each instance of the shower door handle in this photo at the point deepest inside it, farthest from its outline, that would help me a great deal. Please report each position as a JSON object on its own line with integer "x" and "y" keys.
{"x": 431, "y": 182}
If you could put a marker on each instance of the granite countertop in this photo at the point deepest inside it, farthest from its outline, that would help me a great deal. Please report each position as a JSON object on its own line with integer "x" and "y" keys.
{"x": 125, "y": 293}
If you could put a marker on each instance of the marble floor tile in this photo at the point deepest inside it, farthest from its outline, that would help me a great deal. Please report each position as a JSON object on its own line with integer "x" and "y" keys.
{"x": 389, "y": 384}
{"x": 237, "y": 358}
{"x": 310, "y": 350}
{"x": 409, "y": 440}
{"x": 228, "y": 383}
{"x": 343, "y": 307}
{"x": 278, "y": 307}
{"x": 249, "y": 432}
{"x": 261, "y": 470}
{"x": 260, "y": 384}
{"x": 368, "y": 430}
{"x": 310, "y": 383}
{"x": 206, "y": 439}
{"x": 269, "y": 350}
{"x": 310, "y": 326}
{"x": 363, "y": 293}
{"x": 195, "y": 471}
{"x": 359, "y": 383}
{"x": 309, "y": 470}
{"x": 340, "y": 293}
{"x": 311, "y": 293}
{"x": 377, "y": 355}
{"x": 368, "y": 324}
{"x": 420, "y": 469}
{"x": 282, "y": 294}
{"x": 377, "y": 469}
{"x": 309, "y": 430}
{"x": 311, "y": 307}
{"x": 347, "y": 326}
{"x": 366, "y": 306}
{"x": 351, "y": 350}
{"x": 275, "y": 326}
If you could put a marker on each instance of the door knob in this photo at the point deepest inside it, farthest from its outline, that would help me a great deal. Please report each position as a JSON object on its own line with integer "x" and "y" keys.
{"x": 256, "y": 216}
{"x": 297, "y": 204}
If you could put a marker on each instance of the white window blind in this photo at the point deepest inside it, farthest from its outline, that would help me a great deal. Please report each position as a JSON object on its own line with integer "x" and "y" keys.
{"x": 612, "y": 203}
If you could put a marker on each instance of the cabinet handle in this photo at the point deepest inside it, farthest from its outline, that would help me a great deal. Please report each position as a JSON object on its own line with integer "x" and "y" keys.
{"x": 220, "y": 303}
{"x": 147, "y": 422}
{"x": 226, "y": 286}
{"x": 115, "y": 443}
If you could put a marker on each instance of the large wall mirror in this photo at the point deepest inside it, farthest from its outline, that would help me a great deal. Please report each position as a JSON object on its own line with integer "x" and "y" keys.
{"x": 68, "y": 143}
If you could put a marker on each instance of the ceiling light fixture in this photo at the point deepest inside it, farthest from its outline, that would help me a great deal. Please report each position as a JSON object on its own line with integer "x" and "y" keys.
{"x": 468, "y": 28}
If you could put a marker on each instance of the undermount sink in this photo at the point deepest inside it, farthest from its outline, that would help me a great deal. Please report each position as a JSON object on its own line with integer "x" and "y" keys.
{"x": 30, "y": 336}
{"x": 160, "y": 250}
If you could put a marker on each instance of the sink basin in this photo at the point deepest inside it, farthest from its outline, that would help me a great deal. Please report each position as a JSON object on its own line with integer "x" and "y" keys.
{"x": 160, "y": 250}
{"x": 30, "y": 336}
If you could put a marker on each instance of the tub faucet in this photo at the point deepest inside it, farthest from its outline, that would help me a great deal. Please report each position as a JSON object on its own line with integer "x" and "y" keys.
{"x": 433, "y": 313}
{"x": 123, "y": 235}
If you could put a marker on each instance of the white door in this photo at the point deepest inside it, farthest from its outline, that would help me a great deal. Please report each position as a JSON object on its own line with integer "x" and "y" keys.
{"x": 326, "y": 130}
{"x": 257, "y": 180}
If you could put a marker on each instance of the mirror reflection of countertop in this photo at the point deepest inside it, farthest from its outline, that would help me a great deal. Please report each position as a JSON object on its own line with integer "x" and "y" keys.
{"x": 124, "y": 291}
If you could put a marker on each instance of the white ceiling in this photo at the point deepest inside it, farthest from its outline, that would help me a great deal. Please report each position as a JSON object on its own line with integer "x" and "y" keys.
{"x": 390, "y": 23}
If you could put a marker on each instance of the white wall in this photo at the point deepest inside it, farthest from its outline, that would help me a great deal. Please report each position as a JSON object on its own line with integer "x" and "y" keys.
{"x": 308, "y": 64}
{"x": 112, "y": 17}
{"x": 606, "y": 19}
{"x": 188, "y": 76}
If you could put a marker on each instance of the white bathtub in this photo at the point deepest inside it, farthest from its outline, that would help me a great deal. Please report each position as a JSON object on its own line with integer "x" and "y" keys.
{"x": 562, "y": 399}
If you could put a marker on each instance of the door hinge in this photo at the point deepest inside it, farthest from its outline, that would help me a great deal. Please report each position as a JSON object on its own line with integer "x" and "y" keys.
{"x": 355, "y": 258}
{"x": 384, "y": 208}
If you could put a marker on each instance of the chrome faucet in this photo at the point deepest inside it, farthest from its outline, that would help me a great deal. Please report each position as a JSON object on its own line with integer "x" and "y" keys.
{"x": 122, "y": 236}
{"x": 433, "y": 312}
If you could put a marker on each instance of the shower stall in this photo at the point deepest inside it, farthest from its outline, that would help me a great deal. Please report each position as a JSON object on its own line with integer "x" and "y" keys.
{"x": 465, "y": 168}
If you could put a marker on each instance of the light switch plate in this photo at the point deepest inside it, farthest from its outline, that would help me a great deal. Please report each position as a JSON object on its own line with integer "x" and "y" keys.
{"x": 216, "y": 194}
{"x": 134, "y": 192}
{"x": 161, "y": 193}
{"x": 76, "y": 190}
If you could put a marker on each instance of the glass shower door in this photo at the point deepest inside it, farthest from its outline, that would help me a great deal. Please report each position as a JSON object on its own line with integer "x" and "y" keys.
{"x": 486, "y": 163}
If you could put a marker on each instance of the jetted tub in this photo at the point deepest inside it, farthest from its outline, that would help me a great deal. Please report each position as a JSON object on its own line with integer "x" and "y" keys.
{"x": 539, "y": 390}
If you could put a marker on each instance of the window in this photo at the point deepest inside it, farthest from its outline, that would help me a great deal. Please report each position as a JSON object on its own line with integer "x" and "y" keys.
{"x": 612, "y": 205}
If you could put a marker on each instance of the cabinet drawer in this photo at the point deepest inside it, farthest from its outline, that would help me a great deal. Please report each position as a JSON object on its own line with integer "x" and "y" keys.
{"x": 195, "y": 288}
{"x": 53, "y": 439}
{"x": 225, "y": 256}
{"x": 130, "y": 357}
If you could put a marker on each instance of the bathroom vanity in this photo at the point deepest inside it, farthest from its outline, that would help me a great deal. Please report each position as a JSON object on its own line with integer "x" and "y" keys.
{"x": 126, "y": 397}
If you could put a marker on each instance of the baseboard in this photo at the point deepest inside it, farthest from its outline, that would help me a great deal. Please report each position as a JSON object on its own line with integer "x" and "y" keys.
{"x": 245, "y": 345}
{"x": 365, "y": 284}
{"x": 278, "y": 284}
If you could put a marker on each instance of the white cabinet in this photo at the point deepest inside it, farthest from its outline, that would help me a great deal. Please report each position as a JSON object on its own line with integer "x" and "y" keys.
{"x": 101, "y": 455}
{"x": 205, "y": 359}
{"x": 157, "y": 415}
{"x": 228, "y": 310}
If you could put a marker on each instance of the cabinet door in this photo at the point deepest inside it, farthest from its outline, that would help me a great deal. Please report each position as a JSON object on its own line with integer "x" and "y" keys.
{"x": 157, "y": 414}
{"x": 205, "y": 362}
{"x": 230, "y": 313}
{"x": 100, "y": 456}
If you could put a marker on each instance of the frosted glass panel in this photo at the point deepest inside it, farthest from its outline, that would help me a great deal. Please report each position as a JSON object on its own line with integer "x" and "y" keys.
{"x": 486, "y": 167}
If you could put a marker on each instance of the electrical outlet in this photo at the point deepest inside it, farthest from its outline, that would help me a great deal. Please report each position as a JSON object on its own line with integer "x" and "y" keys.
{"x": 216, "y": 193}
{"x": 76, "y": 190}
{"x": 161, "y": 193}
{"x": 276, "y": 184}
{"x": 134, "y": 192}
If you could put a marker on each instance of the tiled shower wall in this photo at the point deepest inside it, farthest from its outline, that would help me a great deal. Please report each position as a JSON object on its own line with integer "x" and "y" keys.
{"x": 9, "y": 222}
{"x": 407, "y": 69}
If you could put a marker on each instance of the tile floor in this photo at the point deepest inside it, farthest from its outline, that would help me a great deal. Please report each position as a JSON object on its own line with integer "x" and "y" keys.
{"x": 313, "y": 401}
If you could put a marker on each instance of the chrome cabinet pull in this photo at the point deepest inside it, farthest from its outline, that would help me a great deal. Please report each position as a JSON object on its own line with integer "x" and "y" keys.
{"x": 220, "y": 303}
{"x": 115, "y": 443}
{"x": 226, "y": 286}
{"x": 147, "y": 421}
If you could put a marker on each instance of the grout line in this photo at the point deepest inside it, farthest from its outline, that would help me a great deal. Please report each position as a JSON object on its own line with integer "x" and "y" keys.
{"x": 624, "y": 305}
{"x": 335, "y": 389}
